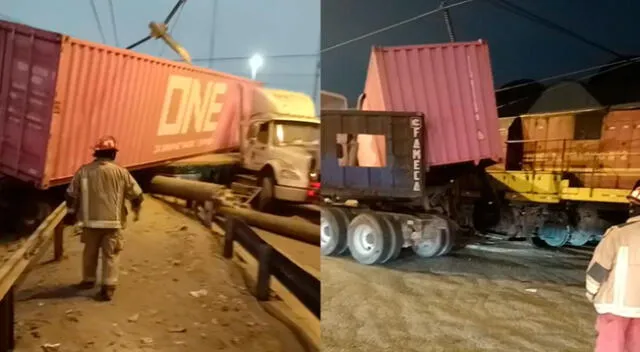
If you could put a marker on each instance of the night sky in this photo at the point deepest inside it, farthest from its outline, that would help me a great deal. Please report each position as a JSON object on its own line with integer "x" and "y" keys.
{"x": 520, "y": 48}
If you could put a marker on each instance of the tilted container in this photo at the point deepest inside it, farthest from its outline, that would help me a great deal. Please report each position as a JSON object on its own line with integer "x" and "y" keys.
{"x": 59, "y": 94}
{"x": 452, "y": 86}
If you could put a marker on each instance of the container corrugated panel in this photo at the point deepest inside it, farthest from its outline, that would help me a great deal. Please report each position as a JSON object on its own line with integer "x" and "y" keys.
{"x": 29, "y": 63}
{"x": 157, "y": 109}
{"x": 452, "y": 85}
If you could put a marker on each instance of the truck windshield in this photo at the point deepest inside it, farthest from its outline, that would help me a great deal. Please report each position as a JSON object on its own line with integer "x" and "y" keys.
{"x": 294, "y": 132}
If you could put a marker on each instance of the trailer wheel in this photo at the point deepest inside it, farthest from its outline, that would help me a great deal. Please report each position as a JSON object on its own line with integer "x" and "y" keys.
{"x": 369, "y": 238}
{"x": 437, "y": 241}
{"x": 265, "y": 198}
{"x": 397, "y": 239}
{"x": 448, "y": 241}
{"x": 333, "y": 231}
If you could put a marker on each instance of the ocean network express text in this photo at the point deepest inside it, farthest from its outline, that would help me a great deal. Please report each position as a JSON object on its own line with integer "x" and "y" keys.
{"x": 196, "y": 112}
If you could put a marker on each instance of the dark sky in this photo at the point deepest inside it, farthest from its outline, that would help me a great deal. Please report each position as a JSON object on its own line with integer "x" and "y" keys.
{"x": 519, "y": 47}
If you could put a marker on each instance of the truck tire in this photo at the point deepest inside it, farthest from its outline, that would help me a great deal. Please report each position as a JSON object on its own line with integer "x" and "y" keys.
{"x": 369, "y": 238}
{"x": 266, "y": 199}
{"x": 397, "y": 239}
{"x": 437, "y": 243}
{"x": 334, "y": 223}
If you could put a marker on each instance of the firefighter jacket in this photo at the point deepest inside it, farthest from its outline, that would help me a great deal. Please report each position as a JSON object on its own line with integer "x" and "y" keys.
{"x": 613, "y": 275}
{"x": 98, "y": 192}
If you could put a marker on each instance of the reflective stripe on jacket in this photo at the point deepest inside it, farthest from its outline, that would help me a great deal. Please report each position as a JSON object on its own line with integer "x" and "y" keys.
{"x": 99, "y": 190}
{"x": 613, "y": 275}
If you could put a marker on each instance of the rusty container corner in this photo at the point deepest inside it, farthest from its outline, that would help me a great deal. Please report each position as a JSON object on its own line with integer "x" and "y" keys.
{"x": 452, "y": 85}
{"x": 60, "y": 94}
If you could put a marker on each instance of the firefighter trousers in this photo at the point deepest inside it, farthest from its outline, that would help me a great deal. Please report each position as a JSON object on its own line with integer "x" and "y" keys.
{"x": 617, "y": 334}
{"x": 110, "y": 243}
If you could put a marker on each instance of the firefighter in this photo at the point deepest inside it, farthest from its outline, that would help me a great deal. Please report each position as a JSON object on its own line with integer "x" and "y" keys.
{"x": 613, "y": 284}
{"x": 96, "y": 202}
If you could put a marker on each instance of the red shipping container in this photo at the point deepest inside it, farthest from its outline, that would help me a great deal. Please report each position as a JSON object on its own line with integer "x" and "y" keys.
{"x": 452, "y": 85}
{"x": 59, "y": 94}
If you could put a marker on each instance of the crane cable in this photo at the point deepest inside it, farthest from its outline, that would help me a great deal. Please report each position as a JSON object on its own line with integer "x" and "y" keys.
{"x": 113, "y": 23}
{"x": 97, "y": 18}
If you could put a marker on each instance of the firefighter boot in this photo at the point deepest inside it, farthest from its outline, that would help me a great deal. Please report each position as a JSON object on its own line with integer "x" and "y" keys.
{"x": 106, "y": 292}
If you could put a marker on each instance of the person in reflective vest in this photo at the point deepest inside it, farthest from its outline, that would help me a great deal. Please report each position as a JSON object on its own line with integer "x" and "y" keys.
{"x": 613, "y": 283}
{"x": 95, "y": 201}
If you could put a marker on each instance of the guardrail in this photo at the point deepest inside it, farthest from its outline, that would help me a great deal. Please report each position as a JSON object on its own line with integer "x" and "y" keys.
{"x": 20, "y": 263}
{"x": 303, "y": 285}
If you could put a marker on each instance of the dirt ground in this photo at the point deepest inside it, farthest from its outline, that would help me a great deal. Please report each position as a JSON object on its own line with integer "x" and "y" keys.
{"x": 176, "y": 293}
{"x": 491, "y": 297}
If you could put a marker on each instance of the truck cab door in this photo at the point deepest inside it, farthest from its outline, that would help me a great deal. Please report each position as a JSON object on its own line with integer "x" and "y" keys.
{"x": 257, "y": 149}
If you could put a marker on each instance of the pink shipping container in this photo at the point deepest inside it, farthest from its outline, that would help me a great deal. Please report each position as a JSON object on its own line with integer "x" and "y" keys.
{"x": 59, "y": 94}
{"x": 452, "y": 85}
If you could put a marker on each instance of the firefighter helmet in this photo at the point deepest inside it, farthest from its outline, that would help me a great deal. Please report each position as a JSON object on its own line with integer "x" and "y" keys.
{"x": 106, "y": 143}
{"x": 634, "y": 196}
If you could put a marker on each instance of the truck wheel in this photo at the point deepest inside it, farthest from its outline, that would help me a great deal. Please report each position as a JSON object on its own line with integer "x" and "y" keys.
{"x": 431, "y": 245}
{"x": 333, "y": 231}
{"x": 397, "y": 239}
{"x": 448, "y": 241}
{"x": 265, "y": 198}
{"x": 369, "y": 238}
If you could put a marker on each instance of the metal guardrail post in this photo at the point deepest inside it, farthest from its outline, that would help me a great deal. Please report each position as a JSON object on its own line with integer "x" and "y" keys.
{"x": 263, "y": 284}
{"x": 208, "y": 207}
{"x": 7, "y": 335}
{"x": 229, "y": 237}
{"x": 58, "y": 242}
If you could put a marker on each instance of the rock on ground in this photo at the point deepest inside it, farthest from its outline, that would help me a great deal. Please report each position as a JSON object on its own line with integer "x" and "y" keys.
{"x": 176, "y": 293}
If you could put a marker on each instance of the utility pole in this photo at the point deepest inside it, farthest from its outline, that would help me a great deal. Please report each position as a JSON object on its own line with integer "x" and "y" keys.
{"x": 213, "y": 32}
{"x": 316, "y": 81}
{"x": 447, "y": 20}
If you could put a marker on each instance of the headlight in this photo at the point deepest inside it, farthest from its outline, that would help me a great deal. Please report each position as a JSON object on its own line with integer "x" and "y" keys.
{"x": 289, "y": 174}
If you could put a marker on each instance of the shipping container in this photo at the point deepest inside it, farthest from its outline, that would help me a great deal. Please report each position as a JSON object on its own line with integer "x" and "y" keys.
{"x": 451, "y": 85}
{"x": 59, "y": 94}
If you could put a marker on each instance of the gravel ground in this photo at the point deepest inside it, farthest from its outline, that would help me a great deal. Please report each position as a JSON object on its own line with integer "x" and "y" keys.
{"x": 176, "y": 294}
{"x": 495, "y": 296}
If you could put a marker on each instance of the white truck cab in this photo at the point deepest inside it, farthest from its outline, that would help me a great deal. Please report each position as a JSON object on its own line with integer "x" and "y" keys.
{"x": 282, "y": 146}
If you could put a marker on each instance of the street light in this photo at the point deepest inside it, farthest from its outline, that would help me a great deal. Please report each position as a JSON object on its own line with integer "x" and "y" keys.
{"x": 255, "y": 62}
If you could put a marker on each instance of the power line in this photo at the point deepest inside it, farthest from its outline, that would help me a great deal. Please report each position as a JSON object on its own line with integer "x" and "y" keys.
{"x": 616, "y": 65}
{"x": 113, "y": 23}
{"x": 97, "y": 18}
{"x": 522, "y": 12}
{"x": 397, "y": 24}
{"x": 568, "y": 74}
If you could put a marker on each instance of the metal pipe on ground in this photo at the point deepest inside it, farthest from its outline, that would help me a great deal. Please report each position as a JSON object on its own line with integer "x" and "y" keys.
{"x": 185, "y": 189}
{"x": 203, "y": 192}
{"x": 296, "y": 229}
